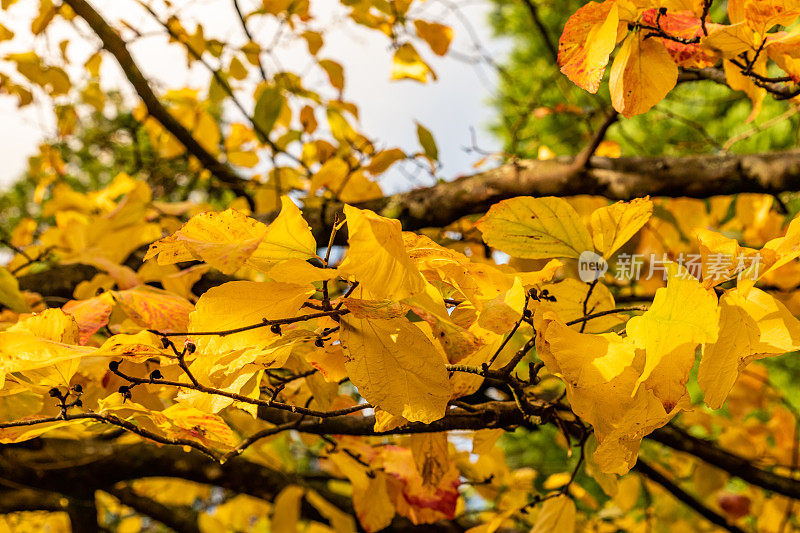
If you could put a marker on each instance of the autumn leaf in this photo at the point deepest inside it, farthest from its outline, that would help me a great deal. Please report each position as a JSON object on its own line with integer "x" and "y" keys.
{"x": 589, "y": 37}
{"x": 155, "y": 309}
{"x": 377, "y": 257}
{"x": 396, "y": 367}
{"x": 238, "y": 304}
{"x": 535, "y": 228}
{"x": 10, "y": 296}
{"x": 288, "y": 237}
{"x": 642, "y": 74}
{"x": 669, "y": 332}
{"x": 752, "y": 325}
{"x": 223, "y": 240}
{"x": 438, "y": 36}
{"x": 408, "y": 65}
{"x": 614, "y": 225}
{"x": 556, "y": 514}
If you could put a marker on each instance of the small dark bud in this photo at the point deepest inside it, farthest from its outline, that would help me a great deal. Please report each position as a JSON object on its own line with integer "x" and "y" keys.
{"x": 319, "y": 343}
{"x": 662, "y": 11}
{"x": 190, "y": 347}
{"x": 156, "y": 374}
{"x": 113, "y": 366}
{"x": 165, "y": 342}
{"x": 55, "y": 393}
{"x": 275, "y": 328}
{"x": 78, "y": 403}
{"x": 77, "y": 388}
{"x": 527, "y": 313}
{"x": 124, "y": 390}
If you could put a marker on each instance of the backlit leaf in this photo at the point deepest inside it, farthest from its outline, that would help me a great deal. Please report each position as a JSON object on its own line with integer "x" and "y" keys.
{"x": 396, "y": 367}
{"x": 535, "y": 228}
{"x": 642, "y": 74}
{"x": 588, "y": 39}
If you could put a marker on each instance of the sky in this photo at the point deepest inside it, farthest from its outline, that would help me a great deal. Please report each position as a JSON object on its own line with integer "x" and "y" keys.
{"x": 452, "y": 107}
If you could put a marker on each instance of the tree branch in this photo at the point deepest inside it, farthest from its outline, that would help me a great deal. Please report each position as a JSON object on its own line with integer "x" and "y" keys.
{"x": 692, "y": 502}
{"x": 181, "y": 519}
{"x": 735, "y": 465}
{"x": 533, "y": 10}
{"x": 114, "y": 44}
{"x": 616, "y": 179}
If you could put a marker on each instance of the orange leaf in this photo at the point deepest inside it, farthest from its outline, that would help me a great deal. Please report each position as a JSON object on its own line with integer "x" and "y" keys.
{"x": 642, "y": 74}
{"x": 588, "y": 39}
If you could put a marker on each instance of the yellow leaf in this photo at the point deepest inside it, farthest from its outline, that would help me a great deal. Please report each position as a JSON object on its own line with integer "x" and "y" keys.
{"x": 556, "y": 514}
{"x": 330, "y": 175}
{"x": 408, "y": 65}
{"x": 630, "y": 487}
{"x": 340, "y": 521}
{"x": 23, "y": 433}
{"x": 383, "y": 160}
{"x": 752, "y": 325}
{"x": 334, "y": 71}
{"x": 51, "y": 324}
{"x": 5, "y": 33}
{"x": 730, "y": 41}
{"x": 396, "y": 367}
{"x": 299, "y": 272}
{"x": 187, "y": 422}
{"x": 588, "y": 39}
{"x": 774, "y": 254}
{"x": 739, "y": 82}
{"x": 500, "y": 314}
{"x": 10, "y": 296}
{"x": 601, "y": 372}
{"x": 377, "y": 256}
{"x": 762, "y": 15}
{"x": 288, "y": 237}
{"x": 642, "y": 74}
{"x": 237, "y": 70}
{"x": 535, "y": 228}
{"x": 46, "y": 13}
{"x": 286, "y": 510}
{"x": 671, "y": 330}
{"x": 21, "y": 351}
{"x": 223, "y": 240}
{"x": 372, "y": 504}
{"x": 381, "y": 309}
{"x": 614, "y": 225}
{"x": 438, "y": 36}
{"x": 243, "y": 303}
{"x": 313, "y": 40}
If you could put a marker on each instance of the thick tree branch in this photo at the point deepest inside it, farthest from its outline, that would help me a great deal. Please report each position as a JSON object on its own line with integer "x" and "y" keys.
{"x": 116, "y": 46}
{"x": 617, "y": 179}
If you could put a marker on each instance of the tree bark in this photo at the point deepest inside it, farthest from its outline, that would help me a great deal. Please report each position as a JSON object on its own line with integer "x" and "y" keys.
{"x": 616, "y": 179}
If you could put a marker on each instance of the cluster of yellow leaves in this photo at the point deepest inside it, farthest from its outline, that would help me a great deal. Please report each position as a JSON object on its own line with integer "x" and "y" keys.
{"x": 626, "y": 386}
{"x": 646, "y": 65}
{"x": 396, "y": 333}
